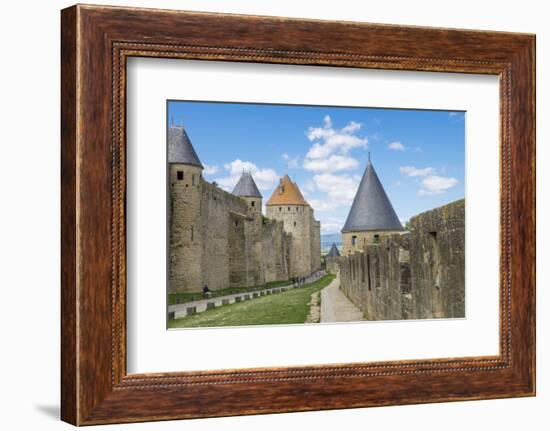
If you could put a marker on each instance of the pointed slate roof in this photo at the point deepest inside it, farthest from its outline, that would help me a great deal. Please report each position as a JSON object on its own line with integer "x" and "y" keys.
{"x": 246, "y": 187}
{"x": 180, "y": 149}
{"x": 371, "y": 208}
{"x": 333, "y": 252}
{"x": 287, "y": 193}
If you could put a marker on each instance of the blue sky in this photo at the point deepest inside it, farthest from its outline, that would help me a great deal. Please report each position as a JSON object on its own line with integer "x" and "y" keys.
{"x": 418, "y": 154}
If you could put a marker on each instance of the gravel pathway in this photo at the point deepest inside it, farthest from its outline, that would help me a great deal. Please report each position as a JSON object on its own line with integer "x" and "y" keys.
{"x": 336, "y": 307}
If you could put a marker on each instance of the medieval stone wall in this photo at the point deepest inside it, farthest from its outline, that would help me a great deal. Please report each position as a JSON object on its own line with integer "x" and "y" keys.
{"x": 221, "y": 240}
{"x": 414, "y": 275}
{"x": 315, "y": 243}
{"x": 297, "y": 222}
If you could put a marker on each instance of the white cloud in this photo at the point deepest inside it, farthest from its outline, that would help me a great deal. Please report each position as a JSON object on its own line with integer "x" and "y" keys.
{"x": 292, "y": 162}
{"x": 435, "y": 185}
{"x": 266, "y": 178}
{"x": 320, "y": 205}
{"x": 339, "y": 189}
{"x": 411, "y": 171}
{"x": 329, "y": 140}
{"x": 330, "y": 148}
{"x": 431, "y": 184}
{"x": 396, "y": 146}
{"x": 210, "y": 170}
{"x": 331, "y": 164}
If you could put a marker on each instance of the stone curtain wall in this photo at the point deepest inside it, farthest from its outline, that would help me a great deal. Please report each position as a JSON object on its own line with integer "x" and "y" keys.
{"x": 315, "y": 243}
{"x": 220, "y": 240}
{"x": 274, "y": 249}
{"x": 415, "y": 275}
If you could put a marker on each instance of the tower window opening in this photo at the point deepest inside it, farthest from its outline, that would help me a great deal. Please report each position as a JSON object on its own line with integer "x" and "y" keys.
{"x": 354, "y": 240}
{"x": 294, "y": 223}
{"x": 193, "y": 179}
{"x": 376, "y": 239}
{"x": 236, "y": 222}
{"x": 180, "y": 175}
{"x": 192, "y": 233}
{"x": 280, "y": 209}
{"x": 288, "y": 208}
{"x": 252, "y": 203}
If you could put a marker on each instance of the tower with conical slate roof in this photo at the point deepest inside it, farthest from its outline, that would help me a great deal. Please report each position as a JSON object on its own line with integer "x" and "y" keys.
{"x": 371, "y": 214}
{"x": 246, "y": 189}
{"x": 185, "y": 180}
{"x": 287, "y": 204}
{"x": 333, "y": 252}
{"x": 331, "y": 259}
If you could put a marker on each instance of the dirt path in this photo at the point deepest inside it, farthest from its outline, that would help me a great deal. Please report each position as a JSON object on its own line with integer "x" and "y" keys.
{"x": 336, "y": 307}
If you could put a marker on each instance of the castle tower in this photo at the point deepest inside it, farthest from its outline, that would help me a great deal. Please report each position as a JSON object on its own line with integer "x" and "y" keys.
{"x": 185, "y": 180}
{"x": 371, "y": 215}
{"x": 246, "y": 188}
{"x": 287, "y": 204}
{"x": 331, "y": 259}
{"x": 333, "y": 252}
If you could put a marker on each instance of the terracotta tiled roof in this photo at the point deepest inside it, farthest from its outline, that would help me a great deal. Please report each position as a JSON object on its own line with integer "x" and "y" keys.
{"x": 287, "y": 193}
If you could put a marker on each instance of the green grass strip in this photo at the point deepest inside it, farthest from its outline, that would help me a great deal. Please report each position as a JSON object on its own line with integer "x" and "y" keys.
{"x": 196, "y": 296}
{"x": 288, "y": 307}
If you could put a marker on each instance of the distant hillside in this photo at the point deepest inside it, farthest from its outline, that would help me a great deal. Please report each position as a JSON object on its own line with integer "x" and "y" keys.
{"x": 328, "y": 239}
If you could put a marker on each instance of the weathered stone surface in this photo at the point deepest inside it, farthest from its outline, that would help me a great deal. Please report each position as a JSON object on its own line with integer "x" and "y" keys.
{"x": 414, "y": 275}
{"x": 221, "y": 240}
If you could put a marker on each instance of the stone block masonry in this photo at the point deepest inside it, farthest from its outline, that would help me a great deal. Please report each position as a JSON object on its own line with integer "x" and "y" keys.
{"x": 419, "y": 274}
{"x": 231, "y": 247}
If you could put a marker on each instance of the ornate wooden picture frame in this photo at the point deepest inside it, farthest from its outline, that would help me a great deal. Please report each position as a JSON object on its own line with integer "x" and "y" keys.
{"x": 96, "y": 41}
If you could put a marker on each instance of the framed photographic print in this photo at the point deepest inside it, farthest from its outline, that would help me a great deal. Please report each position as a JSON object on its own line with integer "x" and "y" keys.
{"x": 260, "y": 217}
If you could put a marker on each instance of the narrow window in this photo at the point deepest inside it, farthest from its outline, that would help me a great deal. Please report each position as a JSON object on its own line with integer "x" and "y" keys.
{"x": 236, "y": 222}
{"x": 252, "y": 203}
{"x": 288, "y": 208}
{"x": 192, "y": 233}
{"x": 280, "y": 209}
{"x": 180, "y": 175}
{"x": 193, "y": 180}
{"x": 294, "y": 223}
{"x": 353, "y": 240}
{"x": 376, "y": 239}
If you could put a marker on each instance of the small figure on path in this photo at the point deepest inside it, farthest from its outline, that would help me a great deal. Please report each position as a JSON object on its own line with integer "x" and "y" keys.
{"x": 206, "y": 292}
